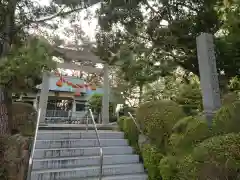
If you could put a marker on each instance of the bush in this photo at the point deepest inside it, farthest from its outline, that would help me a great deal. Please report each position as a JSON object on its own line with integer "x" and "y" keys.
{"x": 168, "y": 167}
{"x": 190, "y": 98}
{"x": 121, "y": 122}
{"x": 152, "y": 158}
{"x": 215, "y": 158}
{"x": 24, "y": 118}
{"x": 130, "y": 130}
{"x": 230, "y": 98}
{"x": 226, "y": 119}
{"x": 188, "y": 132}
{"x": 157, "y": 119}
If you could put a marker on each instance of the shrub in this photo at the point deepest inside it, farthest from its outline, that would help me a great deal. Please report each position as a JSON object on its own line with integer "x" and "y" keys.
{"x": 130, "y": 130}
{"x": 190, "y": 98}
{"x": 24, "y": 118}
{"x": 152, "y": 158}
{"x": 230, "y": 98}
{"x": 157, "y": 119}
{"x": 226, "y": 119}
{"x": 214, "y": 158}
{"x": 121, "y": 122}
{"x": 188, "y": 132}
{"x": 168, "y": 167}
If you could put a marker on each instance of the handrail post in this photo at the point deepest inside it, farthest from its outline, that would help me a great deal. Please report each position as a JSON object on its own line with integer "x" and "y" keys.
{"x": 87, "y": 124}
{"x": 135, "y": 122}
{"x": 101, "y": 164}
{"x": 30, "y": 163}
{"x": 99, "y": 143}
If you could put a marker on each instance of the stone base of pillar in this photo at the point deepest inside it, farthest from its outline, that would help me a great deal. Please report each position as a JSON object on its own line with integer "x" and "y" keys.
{"x": 105, "y": 121}
{"x": 209, "y": 117}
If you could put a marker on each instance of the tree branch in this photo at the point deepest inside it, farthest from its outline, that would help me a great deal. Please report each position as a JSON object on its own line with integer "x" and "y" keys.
{"x": 60, "y": 13}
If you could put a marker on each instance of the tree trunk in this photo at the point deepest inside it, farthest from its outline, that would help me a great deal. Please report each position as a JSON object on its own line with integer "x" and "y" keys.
{"x": 4, "y": 123}
{"x": 5, "y": 95}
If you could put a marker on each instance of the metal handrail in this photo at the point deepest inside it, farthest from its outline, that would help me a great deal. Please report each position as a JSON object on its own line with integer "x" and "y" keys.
{"x": 99, "y": 143}
{"x": 135, "y": 122}
{"x": 30, "y": 163}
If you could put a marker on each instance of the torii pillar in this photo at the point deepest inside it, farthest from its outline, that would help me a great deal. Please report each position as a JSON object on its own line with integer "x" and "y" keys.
{"x": 43, "y": 99}
{"x": 106, "y": 94}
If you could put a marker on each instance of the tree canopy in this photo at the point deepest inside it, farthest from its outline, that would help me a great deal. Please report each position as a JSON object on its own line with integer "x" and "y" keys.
{"x": 165, "y": 32}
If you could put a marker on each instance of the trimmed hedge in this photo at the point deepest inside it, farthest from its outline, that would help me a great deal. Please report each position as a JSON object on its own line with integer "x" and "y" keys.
{"x": 157, "y": 119}
{"x": 186, "y": 148}
{"x": 168, "y": 167}
{"x": 215, "y": 158}
{"x": 230, "y": 98}
{"x": 190, "y": 98}
{"x": 130, "y": 130}
{"x": 121, "y": 122}
{"x": 152, "y": 157}
{"x": 188, "y": 132}
{"x": 227, "y": 119}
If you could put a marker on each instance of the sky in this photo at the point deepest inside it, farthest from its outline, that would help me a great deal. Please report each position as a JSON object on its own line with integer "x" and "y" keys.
{"x": 89, "y": 27}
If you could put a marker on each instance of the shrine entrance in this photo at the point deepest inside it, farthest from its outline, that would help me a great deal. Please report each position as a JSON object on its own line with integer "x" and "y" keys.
{"x": 72, "y": 59}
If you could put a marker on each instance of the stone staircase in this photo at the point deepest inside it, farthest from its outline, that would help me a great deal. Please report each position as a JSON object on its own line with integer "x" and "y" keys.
{"x": 74, "y": 155}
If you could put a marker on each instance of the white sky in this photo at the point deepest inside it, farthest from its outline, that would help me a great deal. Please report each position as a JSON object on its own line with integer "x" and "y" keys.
{"x": 89, "y": 27}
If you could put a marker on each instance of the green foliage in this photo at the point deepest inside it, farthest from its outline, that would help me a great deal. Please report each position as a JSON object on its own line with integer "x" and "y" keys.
{"x": 190, "y": 98}
{"x": 121, "y": 122}
{"x": 230, "y": 98}
{"x": 188, "y": 132}
{"x": 234, "y": 84}
{"x": 22, "y": 68}
{"x": 226, "y": 119}
{"x": 152, "y": 158}
{"x": 168, "y": 167}
{"x": 160, "y": 40}
{"x": 95, "y": 103}
{"x": 157, "y": 119}
{"x": 214, "y": 158}
{"x": 130, "y": 130}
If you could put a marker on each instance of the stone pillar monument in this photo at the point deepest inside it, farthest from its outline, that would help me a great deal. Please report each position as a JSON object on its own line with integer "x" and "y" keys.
{"x": 208, "y": 74}
{"x": 43, "y": 97}
{"x": 105, "y": 100}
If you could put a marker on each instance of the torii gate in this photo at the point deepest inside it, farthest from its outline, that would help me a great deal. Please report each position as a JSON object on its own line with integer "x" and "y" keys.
{"x": 78, "y": 56}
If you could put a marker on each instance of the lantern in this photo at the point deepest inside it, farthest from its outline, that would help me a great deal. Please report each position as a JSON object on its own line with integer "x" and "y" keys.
{"x": 74, "y": 86}
{"x": 93, "y": 87}
{"x": 79, "y": 85}
{"x": 59, "y": 83}
{"x": 69, "y": 83}
{"x": 78, "y": 92}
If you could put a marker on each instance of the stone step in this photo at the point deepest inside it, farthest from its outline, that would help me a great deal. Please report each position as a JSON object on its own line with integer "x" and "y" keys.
{"x": 76, "y": 127}
{"x": 73, "y": 162}
{"x": 84, "y": 172}
{"x": 76, "y": 152}
{"x": 140, "y": 176}
{"x": 70, "y": 143}
{"x": 76, "y": 134}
